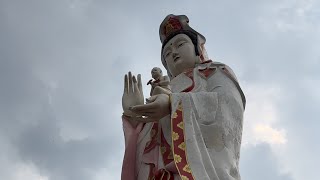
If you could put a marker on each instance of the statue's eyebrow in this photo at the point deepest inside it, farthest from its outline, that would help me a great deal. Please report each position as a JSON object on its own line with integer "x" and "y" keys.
{"x": 175, "y": 43}
{"x": 165, "y": 49}
{"x": 179, "y": 40}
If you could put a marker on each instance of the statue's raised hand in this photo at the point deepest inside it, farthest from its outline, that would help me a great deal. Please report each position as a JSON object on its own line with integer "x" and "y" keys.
{"x": 132, "y": 94}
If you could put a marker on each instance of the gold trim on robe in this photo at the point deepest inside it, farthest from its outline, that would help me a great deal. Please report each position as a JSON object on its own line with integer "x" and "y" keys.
{"x": 178, "y": 144}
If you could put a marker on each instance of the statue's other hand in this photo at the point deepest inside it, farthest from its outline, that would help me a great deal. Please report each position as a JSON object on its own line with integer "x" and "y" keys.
{"x": 158, "y": 107}
{"x": 132, "y": 94}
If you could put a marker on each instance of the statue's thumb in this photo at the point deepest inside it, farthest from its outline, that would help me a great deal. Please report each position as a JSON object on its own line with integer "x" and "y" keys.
{"x": 151, "y": 99}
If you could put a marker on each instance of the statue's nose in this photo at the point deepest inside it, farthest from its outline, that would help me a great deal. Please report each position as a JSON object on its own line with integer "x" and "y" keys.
{"x": 174, "y": 54}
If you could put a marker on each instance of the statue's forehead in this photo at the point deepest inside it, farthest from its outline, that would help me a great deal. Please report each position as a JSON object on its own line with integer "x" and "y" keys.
{"x": 175, "y": 39}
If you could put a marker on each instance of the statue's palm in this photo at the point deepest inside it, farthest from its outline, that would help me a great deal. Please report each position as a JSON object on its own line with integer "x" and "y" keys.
{"x": 132, "y": 94}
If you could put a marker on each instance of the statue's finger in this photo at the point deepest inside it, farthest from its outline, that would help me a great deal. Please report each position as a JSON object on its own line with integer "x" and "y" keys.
{"x": 139, "y": 82}
{"x": 134, "y": 79}
{"x": 125, "y": 89}
{"x": 148, "y": 114}
{"x": 145, "y": 113}
{"x": 151, "y": 99}
{"x": 144, "y": 108}
{"x": 135, "y": 84}
{"x": 130, "y": 82}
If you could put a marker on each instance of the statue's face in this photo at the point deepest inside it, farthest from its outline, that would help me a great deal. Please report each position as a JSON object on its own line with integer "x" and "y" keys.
{"x": 179, "y": 54}
{"x": 156, "y": 73}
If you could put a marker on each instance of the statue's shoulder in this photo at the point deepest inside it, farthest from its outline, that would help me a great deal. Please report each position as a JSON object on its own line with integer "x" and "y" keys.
{"x": 208, "y": 68}
{"x": 228, "y": 70}
{"x": 225, "y": 68}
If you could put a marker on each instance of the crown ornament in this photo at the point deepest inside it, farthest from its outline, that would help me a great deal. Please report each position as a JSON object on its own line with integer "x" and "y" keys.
{"x": 174, "y": 23}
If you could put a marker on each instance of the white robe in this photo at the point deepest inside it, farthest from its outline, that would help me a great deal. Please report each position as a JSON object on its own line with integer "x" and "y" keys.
{"x": 205, "y": 127}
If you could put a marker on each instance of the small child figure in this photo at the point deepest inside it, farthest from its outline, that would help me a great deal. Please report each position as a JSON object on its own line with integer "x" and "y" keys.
{"x": 160, "y": 84}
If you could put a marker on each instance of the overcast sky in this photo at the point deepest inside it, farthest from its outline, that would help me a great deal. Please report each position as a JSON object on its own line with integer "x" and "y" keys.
{"x": 61, "y": 80}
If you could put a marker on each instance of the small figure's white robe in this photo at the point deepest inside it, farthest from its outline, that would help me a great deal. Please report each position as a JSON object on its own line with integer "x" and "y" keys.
{"x": 204, "y": 130}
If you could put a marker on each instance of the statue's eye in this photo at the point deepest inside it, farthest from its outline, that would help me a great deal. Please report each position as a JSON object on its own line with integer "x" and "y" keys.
{"x": 181, "y": 44}
{"x": 167, "y": 54}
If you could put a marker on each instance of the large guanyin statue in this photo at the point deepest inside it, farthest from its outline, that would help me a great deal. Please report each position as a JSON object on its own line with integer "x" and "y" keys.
{"x": 192, "y": 132}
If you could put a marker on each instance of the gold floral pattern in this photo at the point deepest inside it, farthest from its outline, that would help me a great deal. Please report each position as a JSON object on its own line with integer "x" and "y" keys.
{"x": 177, "y": 158}
{"x": 184, "y": 178}
{"x": 175, "y": 115}
{"x": 179, "y": 145}
{"x": 187, "y": 168}
{"x": 180, "y": 125}
{"x": 175, "y": 136}
{"x": 182, "y": 146}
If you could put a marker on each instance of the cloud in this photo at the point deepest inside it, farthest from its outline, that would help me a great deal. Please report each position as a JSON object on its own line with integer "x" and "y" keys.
{"x": 62, "y": 65}
{"x": 293, "y": 16}
{"x": 27, "y": 171}
{"x": 55, "y": 114}
{"x": 267, "y": 134}
{"x": 260, "y": 164}
{"x": 262, "y": 116}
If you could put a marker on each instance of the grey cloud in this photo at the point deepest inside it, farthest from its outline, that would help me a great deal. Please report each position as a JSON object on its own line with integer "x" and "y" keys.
{"x": 75, "y": 159}
{"x": 46, "y": 86}
{"x": 31, "y": 125}
{"x": 62, "y": 66}
{"x": 259, "y": 163}
{"x": 301, "y": 122}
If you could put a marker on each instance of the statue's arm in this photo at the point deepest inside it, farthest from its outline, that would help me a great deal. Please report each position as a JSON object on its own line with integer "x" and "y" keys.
{"x": 131, "y": 135}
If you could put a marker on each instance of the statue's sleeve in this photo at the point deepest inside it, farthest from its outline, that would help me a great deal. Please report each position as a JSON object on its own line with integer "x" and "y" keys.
{"x": 131, "y": 137}
{"x": 206, "y": 129}
{"x": 135, "y": 140}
